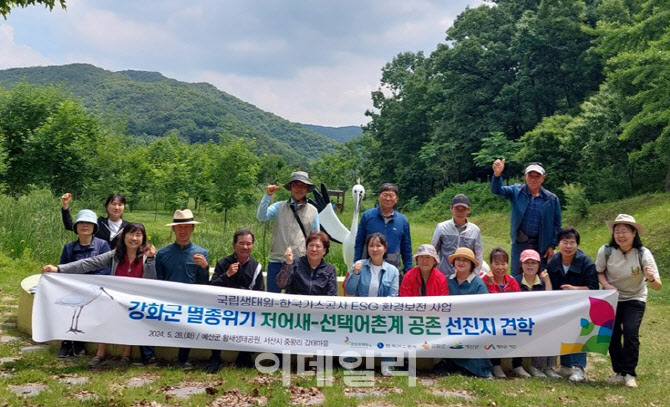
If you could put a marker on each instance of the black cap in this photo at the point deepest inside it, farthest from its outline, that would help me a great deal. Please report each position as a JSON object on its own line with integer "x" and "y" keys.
{"x": 460, "y": 199}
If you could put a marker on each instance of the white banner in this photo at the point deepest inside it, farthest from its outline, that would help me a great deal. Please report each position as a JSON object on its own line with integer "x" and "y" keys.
{"x": 136, "y": 311}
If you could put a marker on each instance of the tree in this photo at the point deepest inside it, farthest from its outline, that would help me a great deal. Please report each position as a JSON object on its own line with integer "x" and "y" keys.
{"x": 235, "y": 173}
{"x": 61, "y": 151}
{"x": 169, "y": 160}
{"x": 23, "y": 111}
{"x": 7, "y": 5}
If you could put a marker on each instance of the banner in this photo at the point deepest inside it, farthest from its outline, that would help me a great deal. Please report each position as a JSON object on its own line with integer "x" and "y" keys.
{"x": 121, "y": 310}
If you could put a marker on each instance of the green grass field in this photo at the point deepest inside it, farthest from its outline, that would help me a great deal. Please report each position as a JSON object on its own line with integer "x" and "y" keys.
{"x": 31, "y": 235}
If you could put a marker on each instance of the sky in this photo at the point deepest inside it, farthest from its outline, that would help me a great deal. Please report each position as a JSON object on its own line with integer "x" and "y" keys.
{"x": 308, "y": 61}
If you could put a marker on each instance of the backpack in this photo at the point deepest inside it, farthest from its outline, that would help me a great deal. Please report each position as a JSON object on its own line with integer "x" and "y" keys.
{"x": 608, "y": 253}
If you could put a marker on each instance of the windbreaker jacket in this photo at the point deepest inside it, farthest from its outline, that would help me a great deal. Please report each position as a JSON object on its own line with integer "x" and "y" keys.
{"x": 108, "y": 261}
{"x": 359, "y": 284}
{"x": 299, "y": 278}
{"x": 550, "y": 222}
{"x": 411, "y": 284}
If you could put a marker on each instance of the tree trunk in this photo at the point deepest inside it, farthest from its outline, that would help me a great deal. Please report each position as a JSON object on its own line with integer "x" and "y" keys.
{"x": 225, "y": 221}
{"x": 667, "y": 180}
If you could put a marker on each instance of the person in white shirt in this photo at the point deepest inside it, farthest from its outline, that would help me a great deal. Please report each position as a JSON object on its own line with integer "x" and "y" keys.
{"x": 626, "y": 266}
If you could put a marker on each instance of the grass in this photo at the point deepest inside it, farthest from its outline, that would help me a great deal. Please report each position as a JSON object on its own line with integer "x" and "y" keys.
{"x": 36, "y": 222}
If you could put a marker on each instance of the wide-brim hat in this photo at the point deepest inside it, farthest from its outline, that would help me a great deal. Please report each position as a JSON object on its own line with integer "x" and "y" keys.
{"x": 465, "y": 253}
{"x": 184, "y": 217}
{"x": 302, "y": 177}
{"x": 86, "y": 215}
{"x": 426, "y": 250}
{"x": 626, "y": 220}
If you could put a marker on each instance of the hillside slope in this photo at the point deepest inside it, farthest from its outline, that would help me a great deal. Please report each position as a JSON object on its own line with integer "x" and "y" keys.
{"x": 154, "y": 105}
{"x": 339, "y": 134}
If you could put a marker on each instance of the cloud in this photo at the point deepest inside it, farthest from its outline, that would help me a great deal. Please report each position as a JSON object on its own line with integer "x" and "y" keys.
{"x": 333, "y": 96}
{"x": 308, "y": 61}
{"x": 15, "y": 55}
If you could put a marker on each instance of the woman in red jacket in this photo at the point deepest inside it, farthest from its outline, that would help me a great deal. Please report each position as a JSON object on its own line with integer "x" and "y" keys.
{"x": 424, "y": 280}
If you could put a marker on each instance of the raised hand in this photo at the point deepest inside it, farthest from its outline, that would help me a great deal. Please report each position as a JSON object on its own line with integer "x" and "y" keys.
{"x": 498, "y": 167}
{"x": 288, "y": 255}
{"x": 232, "y": 270}
{"x": 272, "y": 189}
{"x": 358, "y": 266}
{"x": 65, "y": 200}
{"x": 200, "y": 260}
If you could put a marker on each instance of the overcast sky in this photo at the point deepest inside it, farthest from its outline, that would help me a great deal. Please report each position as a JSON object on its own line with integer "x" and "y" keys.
{"x": 307, "y": 61}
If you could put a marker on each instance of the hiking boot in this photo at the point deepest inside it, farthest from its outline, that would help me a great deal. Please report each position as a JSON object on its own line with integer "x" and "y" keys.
{"x": 213, "y": 365}
{"x": 78, "y": 349}
{"x": 65, "y": 349}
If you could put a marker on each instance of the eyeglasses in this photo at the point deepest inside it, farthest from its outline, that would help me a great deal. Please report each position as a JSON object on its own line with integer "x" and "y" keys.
{"x": 623, "y": 233}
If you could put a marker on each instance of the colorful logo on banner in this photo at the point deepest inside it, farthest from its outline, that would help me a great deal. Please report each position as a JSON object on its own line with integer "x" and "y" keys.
{"x": 602, "y": 318}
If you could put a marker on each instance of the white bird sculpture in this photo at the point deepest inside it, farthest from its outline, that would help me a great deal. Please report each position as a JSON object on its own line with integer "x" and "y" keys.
{"x": 78, "y": 299}
{"x": 332, "y": 225}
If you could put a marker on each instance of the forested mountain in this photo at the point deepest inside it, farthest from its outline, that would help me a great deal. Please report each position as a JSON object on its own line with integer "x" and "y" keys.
{"x": 154, "y": 105}
{"x": 580, "y": 85}
{"x": 340, "y": 134}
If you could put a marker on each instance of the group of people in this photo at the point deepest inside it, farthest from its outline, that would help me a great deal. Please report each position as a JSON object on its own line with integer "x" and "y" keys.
{"x": 450, "y": 265}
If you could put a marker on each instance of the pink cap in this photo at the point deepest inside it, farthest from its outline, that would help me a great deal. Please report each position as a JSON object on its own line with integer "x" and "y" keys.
{"x": 530, "y": 254}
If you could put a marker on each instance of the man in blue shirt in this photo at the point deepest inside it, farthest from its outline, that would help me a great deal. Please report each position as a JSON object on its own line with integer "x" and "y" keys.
{"x": 536, "y": 213}
{"x": 183, "y": 261}
{"x": 389, "y": 222}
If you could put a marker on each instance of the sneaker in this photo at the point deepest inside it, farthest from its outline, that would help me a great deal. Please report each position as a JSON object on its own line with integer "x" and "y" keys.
{"x": 78, "y": 349}
{"x": 629, "y": 381}
{"x": 125, "y": 361}
{"x": 519, "y": 371}
{"x": 185, "y": 365}
{"x": 549, "y": 372}
{"x": 498, "y": 372}
{"x": 565, "y": 371}
{"x": 386, "y": 370}
{"x": 535, "y": 372}
{"x": 245, "y": 360}
{"x": 150, "y": 362}
{"x": 96, "y": 361}
{"x": 65, "y": 349}
{"x": 213, "y": 365}
{"x": 616, "y": 379}
{"x": 578, "y": 375}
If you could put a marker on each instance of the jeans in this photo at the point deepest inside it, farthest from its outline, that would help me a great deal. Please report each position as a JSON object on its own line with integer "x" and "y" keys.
{"x": 516, "y": 362}
{"x": 182, "y": 356}
{"x": 147, "y": 353}
{"x": 573, "y": 359}
{"x": 627, "y": 322}
{"x": 273, "y": 270}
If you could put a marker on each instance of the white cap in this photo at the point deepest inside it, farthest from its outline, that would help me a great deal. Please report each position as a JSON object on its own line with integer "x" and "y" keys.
{"x": 534, "y": 167}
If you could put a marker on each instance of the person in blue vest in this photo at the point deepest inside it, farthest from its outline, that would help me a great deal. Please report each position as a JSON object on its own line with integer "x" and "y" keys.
{"x": 294, "y": 220}
{"x": 389, "y": 222}
{"x": 536, "y": 213}
{"x": 87, "y": 245}
{"x": 183, "y": 261}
